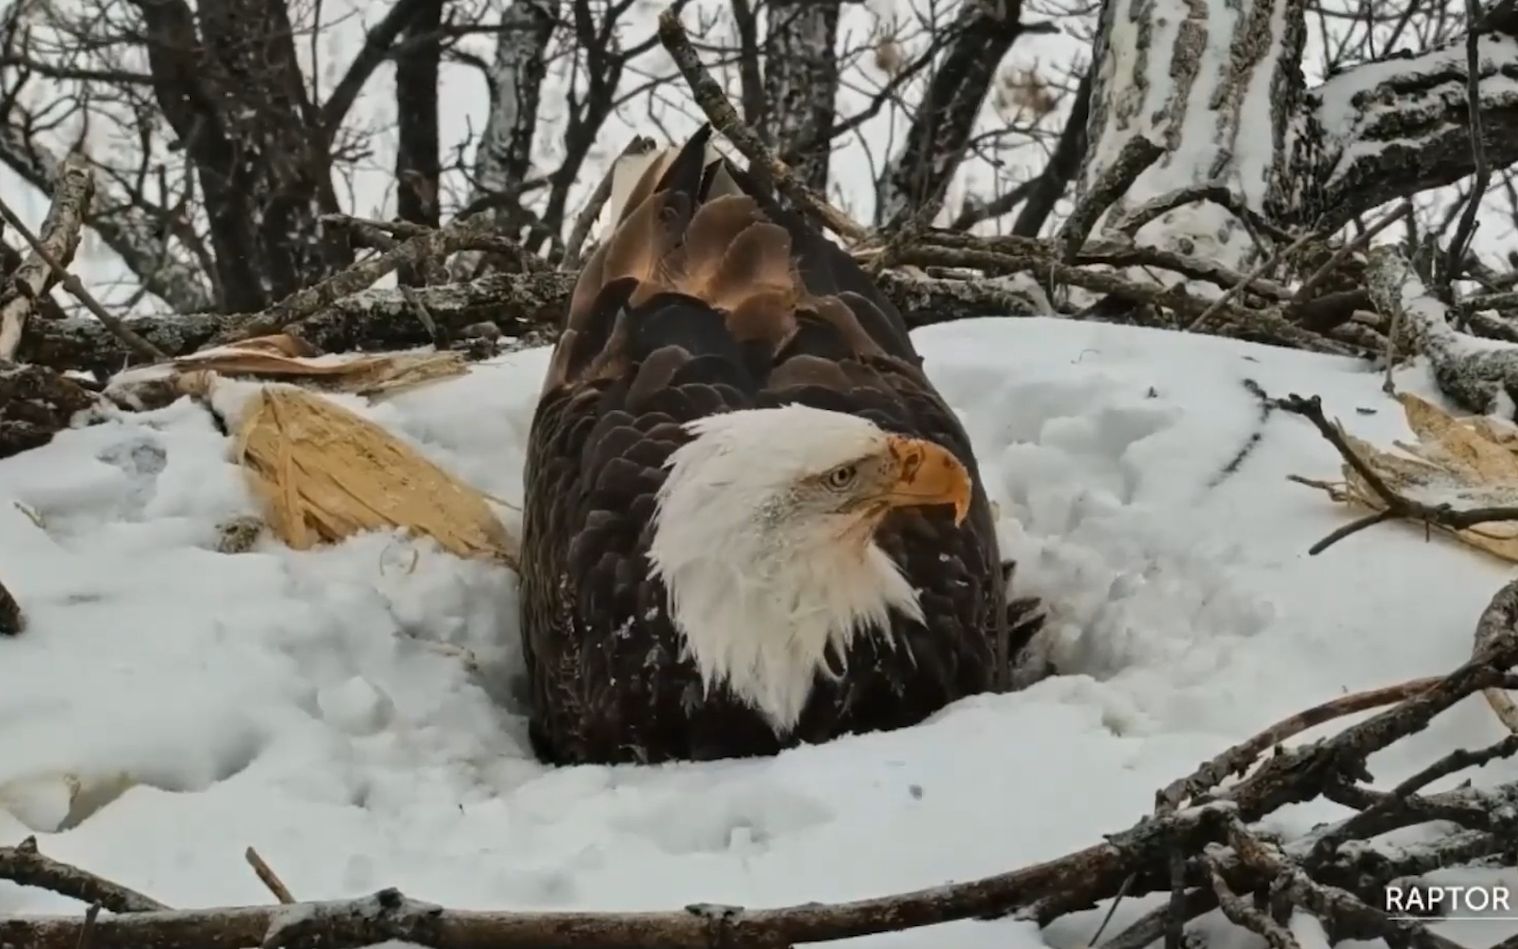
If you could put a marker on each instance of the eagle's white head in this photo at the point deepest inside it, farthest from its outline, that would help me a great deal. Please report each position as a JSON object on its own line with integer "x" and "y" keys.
{"x": 765, "y": 542}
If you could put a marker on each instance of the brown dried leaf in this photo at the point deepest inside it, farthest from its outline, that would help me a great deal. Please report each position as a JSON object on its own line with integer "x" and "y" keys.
{"x": 1470, "y": 462}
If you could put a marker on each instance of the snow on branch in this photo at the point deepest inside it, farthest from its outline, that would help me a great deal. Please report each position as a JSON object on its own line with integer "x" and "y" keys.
{"x": 1477, "y": 373}
{"x": 1401, "y": 125}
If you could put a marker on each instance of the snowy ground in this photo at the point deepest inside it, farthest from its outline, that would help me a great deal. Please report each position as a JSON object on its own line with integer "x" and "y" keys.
{"x": 283, "y": 699}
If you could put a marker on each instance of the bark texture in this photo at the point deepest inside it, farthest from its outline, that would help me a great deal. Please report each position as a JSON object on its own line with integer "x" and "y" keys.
{"x": 1368, "y": 134}
{"x": 1374, "y": 134}
{"x": 1156, "y": 63}
{"x": 504, "y": 156}
{"x": 801, "y": 83}
{"x": 939, "y": 136}
{"x": 59, "y": 238}
{"x": 227, "y": 79}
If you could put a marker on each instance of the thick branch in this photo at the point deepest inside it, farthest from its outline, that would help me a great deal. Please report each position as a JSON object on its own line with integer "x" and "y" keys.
{"x": 1096, "y": 872}
{"x": 1472, "y": 372}
{"x": 59, "y": 238}
{"x": 939, "y": 136}
{"x": 377, "y": 43}
{"x": 530, "y": 304}
{"x": 25, "y": 865}
{"x": 1395, "y": 127}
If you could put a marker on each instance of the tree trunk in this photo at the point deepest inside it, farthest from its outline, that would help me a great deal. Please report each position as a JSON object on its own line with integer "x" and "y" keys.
{"x": 801, "y": 83}
{"x": 417, "y": 164}
{"x": 503, "y": 159}
{"x": 233, "y": 92}
{"x": 504, "y": 156}
{"x": 939, "y": 137}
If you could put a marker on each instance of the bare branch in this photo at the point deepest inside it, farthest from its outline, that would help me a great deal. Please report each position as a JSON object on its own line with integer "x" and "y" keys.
{"x": 55, "y": 247}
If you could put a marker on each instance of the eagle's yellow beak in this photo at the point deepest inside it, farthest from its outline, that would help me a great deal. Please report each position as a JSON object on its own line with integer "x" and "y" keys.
{"x": 926, "y": 473}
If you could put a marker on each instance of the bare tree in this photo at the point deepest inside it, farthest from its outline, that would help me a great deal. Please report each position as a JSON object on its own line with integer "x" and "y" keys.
{"x": 1214, "y": 167}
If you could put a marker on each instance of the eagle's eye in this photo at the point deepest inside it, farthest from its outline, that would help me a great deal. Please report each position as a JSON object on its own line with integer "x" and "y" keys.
{"x": 841, "y": 477}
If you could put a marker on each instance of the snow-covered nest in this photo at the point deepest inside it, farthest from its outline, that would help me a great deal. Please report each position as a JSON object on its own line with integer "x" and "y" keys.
{"x": 191, "y": 703}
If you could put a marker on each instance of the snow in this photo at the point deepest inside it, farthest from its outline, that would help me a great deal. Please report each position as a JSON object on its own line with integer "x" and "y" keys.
{"x": 317, "y": 705}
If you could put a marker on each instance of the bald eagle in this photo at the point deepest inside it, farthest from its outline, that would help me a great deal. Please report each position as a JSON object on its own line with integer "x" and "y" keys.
{"x": 750, "y": 519}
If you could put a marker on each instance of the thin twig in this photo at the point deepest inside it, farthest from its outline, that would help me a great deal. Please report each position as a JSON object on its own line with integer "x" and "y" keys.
{"x": 1270, "y": 264}
{"x": 1482, "y": 175}
{"x": 714, "y": 102}
{"x": 1396, "y": 505}
{"x": 1337, "y": 258}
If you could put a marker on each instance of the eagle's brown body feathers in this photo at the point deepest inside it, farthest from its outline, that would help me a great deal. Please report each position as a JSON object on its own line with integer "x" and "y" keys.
{"x": 709, "y": 298}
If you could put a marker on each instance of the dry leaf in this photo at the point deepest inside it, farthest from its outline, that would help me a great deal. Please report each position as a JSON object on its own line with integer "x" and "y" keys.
{"x": 1466, "y": 462}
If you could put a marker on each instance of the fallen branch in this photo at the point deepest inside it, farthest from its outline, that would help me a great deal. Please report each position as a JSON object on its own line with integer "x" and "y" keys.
{"x": 389, "y": 915}
{"x": 35, "y": 404}
{"x": 25, "y": 865}
{"x": 306, "y": 303}
{"x": 58, "y": 241}
{"x": 1472, "y": 372}
{"x": 520, "y": 305}
{"x": 527, "y": 306}
{"x": 1240, "y": 757}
